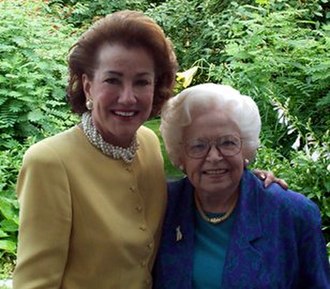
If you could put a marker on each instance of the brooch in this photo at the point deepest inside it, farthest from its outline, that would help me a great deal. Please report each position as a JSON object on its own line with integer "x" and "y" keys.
{"x": 179, "y": 235}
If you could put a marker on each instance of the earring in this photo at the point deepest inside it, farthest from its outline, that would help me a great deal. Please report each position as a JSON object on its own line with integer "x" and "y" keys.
{"x": 89, "y": 104}
{"x": 181, "y": 167}
{"x": 246, "y": 162}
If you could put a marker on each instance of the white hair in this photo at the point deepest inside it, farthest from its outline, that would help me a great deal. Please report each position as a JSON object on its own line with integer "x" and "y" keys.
{"x": 177, "y": 114}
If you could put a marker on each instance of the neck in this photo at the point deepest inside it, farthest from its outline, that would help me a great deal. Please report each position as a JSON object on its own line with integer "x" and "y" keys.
{"x": 127, "y": 154}
{"x": 217, "y": 203}
{"x": 112, "y": 139}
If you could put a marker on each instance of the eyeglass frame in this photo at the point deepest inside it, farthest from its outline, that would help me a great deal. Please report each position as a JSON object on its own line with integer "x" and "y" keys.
{"x": 210, "y": 143}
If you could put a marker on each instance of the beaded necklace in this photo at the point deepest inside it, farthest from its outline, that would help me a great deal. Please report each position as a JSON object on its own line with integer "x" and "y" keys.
{"x": 213, "y": 220}
{"x": 95, "y": 138}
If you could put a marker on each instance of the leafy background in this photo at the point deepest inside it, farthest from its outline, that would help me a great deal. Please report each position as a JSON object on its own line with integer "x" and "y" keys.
{"x": 278, "y": 52}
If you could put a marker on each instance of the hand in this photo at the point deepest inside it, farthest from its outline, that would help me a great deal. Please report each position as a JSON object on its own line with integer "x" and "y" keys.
{"x": 268, "y": 178}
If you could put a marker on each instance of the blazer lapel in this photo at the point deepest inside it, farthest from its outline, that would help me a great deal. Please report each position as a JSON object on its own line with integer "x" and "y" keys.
{"x": 243, "y": 260}
{"x": 176, "y": 259}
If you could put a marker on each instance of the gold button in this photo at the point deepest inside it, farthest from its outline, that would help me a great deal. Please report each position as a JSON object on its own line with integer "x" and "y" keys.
{"x": 139, "y": 209}
{"x": 143, "y": 227}
{"x": 150, "y": 246}
{"x": 132, "y": 189}
{"x": 143, "y": 263}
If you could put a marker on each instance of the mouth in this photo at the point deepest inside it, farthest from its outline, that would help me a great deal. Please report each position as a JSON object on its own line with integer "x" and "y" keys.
{"x": 216, "y": 172}
{"x": 122, "y": 113}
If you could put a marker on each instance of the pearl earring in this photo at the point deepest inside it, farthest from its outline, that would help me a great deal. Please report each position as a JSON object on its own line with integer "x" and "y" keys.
{"x": 246, "y": 162}
{"x": 89, "y": 104}
{"x": 181, "y": 167}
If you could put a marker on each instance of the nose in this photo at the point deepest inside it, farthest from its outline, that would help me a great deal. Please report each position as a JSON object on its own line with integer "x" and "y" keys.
{"x": 214, "y": 154}
{"x": 127, "y": 95}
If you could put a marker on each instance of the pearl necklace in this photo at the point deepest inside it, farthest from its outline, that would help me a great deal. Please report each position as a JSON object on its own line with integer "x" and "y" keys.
{"x": 95, "y": 138}
{"x": 213, "y": 220}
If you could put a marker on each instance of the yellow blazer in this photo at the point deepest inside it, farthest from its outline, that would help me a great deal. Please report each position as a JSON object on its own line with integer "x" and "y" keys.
{"x": 88, "y": 221}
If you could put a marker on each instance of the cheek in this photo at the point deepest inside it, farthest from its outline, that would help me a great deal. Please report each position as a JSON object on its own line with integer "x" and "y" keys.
{"x": 192, "y": 169}
{"x": 105, "y": 96}
{"x": 238, "y": 165}
{"x": 146, "y": 103}
{"x": 148, "y": 98}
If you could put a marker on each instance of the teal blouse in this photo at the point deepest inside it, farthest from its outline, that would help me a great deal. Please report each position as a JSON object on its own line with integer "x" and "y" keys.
{"x": 210, "y": 247}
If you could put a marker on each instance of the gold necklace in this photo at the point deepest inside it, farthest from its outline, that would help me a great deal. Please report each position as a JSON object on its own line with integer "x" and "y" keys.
{"x": 214, "y": 220}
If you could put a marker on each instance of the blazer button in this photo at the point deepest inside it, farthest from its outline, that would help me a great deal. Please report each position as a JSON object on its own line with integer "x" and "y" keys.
{"x": 143, "y": 227}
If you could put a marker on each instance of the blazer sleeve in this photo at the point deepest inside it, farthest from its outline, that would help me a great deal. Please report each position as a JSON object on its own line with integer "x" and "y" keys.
{"x": 315, "y": 269}
{"x": 45, "y": 220}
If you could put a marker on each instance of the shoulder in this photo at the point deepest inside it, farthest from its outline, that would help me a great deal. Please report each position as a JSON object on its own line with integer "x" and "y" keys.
{"x": 179, "y": 187}
{"x": 289, "y": 203}
{"x": 276, "y": 196}
{"x": 52, "y": 147}
{"x": 146, "y": 134}
{"x": 180, "y": 195}
{"x": 149, "y": 147}
{"x": 289, "y": 198}
{"x": 275, "y": 202}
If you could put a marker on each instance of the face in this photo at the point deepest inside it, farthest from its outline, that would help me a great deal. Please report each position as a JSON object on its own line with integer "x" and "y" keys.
{"x": 213, "y": 174}
{"x": 122, "y": 91}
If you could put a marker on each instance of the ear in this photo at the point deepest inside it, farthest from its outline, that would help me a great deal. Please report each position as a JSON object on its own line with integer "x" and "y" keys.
{"x": 248, "y": 156}
{"x": 86, "y": 86}
{"x": 181, "y": 166}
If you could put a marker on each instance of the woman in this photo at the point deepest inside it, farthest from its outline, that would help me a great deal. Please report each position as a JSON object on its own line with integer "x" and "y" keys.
{"x": 92, "y": 198}
{"x": 222, "y": 228}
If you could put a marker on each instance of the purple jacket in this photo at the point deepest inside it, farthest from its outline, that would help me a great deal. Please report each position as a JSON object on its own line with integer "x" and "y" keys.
{"x": 276, "y": 240}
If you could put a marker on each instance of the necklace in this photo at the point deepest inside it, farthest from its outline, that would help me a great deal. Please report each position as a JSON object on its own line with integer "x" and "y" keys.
{"x": 213, "y": 220}
{"x": 95, "y": 138}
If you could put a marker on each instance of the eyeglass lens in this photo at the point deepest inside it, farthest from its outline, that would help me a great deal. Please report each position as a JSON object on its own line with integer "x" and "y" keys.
{"x": 228, "y": 145}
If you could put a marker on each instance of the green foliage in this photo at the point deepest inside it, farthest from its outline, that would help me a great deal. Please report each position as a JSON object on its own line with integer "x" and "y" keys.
{"x": 276, "y": 56}
{"x": 5, "y": 287}
{"x": 32, "y": 71}
{"x": 82, "y": 12}
{"x": 270, "y": 51}
{"x": 276, "y": 51}
{"x": 171, "y": 172}
{"x": 33, "y": 49}
{"x": 10, "y": 161}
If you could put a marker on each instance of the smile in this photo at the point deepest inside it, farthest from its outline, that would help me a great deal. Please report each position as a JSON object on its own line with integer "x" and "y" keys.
{"x": 125, "y": 113}
{"x": 215, "y": 172}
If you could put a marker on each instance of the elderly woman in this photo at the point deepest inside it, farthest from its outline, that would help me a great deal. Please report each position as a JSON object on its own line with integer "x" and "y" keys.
{"x": 222, "y": 228}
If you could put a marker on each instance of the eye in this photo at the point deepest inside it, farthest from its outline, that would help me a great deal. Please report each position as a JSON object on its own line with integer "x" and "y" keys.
{"x": 112, "y": 80}
{"x": 143, "y": 82}
{"x": 229, "y": 141}
{"x": 197, "y": 146}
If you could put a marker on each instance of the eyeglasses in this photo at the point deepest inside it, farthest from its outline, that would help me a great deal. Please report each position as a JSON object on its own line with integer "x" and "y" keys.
{"x": 228, "y": 145}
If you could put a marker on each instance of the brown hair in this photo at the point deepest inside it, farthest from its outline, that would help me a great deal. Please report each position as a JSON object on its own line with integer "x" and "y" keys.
{"x": 131, "y": 29}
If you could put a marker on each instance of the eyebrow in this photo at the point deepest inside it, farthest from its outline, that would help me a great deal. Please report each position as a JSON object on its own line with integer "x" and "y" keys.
{"x": 121, "y": 74}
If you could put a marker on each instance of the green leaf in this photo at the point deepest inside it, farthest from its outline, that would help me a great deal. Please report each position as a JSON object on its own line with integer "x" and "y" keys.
{"x": 3, "y": 234}
{"x": 7, "y": 208}
{"x": 35, "y": 115}
{"x": 8, "y": 246}
{"x": 10, "y": 225}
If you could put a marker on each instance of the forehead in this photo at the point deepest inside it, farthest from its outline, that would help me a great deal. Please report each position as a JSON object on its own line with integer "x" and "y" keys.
{"x": 210, "y": 123}
{"x": 120, "y": 56}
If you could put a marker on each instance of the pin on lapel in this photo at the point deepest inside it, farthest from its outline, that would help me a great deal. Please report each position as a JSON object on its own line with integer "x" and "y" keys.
{"x": 179, "y": 235}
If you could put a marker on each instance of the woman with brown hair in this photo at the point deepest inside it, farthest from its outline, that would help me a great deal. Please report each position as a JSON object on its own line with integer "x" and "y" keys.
{"x": 92, "y": 198}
